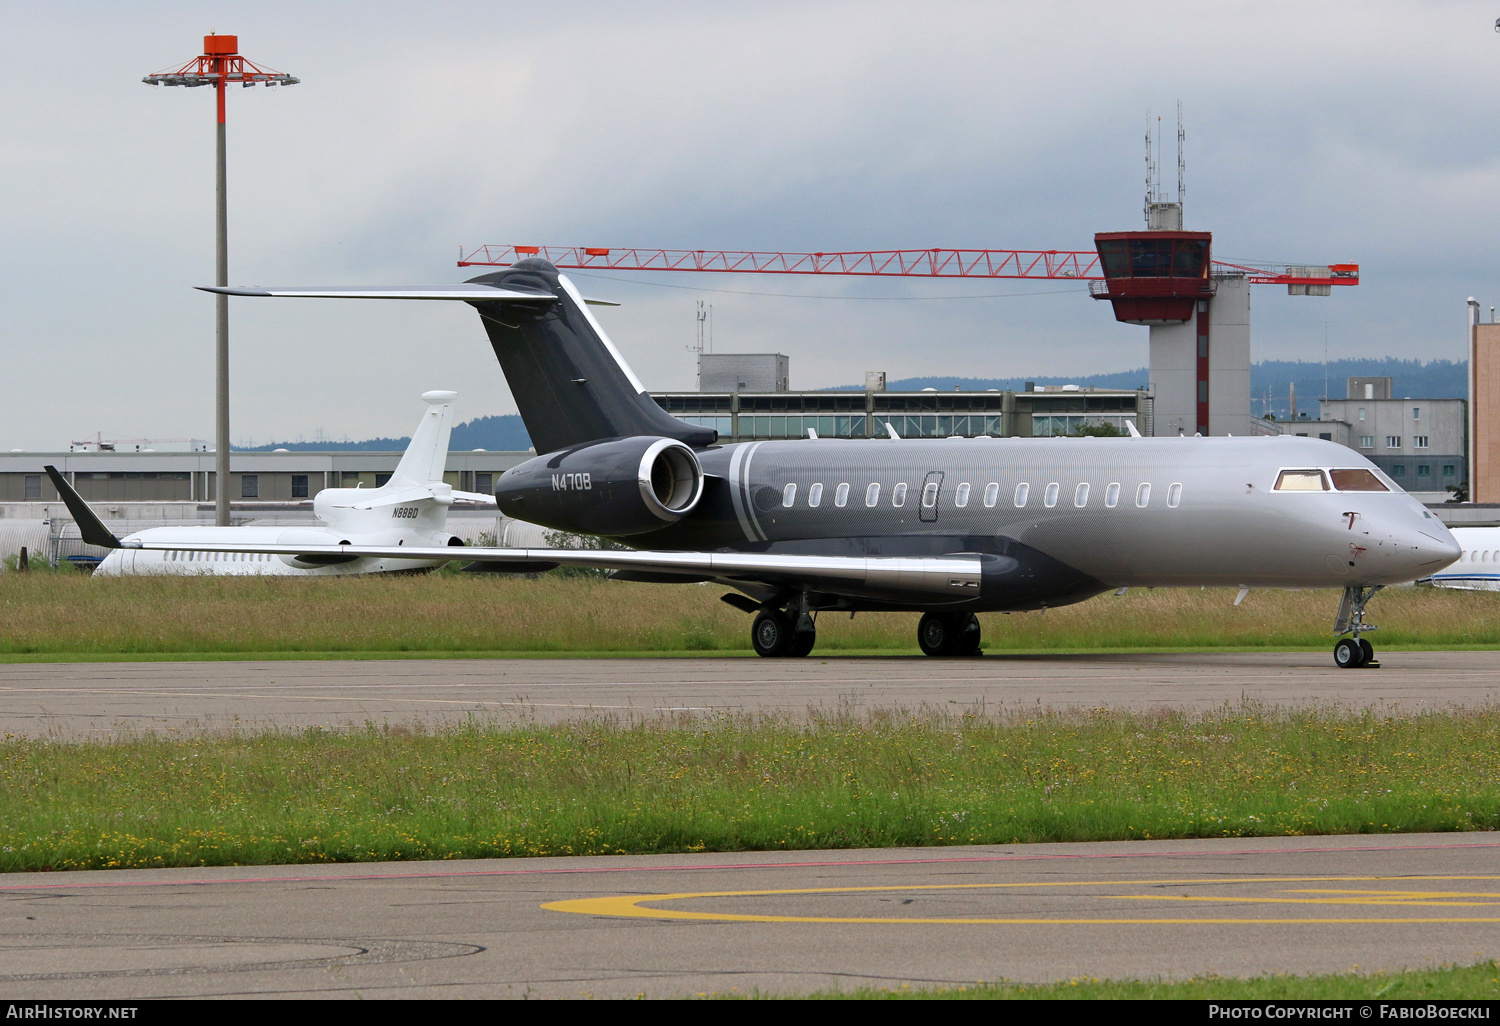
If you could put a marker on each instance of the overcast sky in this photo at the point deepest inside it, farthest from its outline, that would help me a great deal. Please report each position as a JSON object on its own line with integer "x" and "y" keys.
{"x": 1316, "y": 133}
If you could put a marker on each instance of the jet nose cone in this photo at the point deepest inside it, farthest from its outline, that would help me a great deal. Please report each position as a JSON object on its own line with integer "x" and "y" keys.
{"x": 1435, "y": 547}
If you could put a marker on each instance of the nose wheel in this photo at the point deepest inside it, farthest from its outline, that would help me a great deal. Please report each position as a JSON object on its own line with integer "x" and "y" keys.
{"x": 1353, "y": 652}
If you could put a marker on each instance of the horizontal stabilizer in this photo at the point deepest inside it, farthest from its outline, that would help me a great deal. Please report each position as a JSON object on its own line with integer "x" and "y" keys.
{"x": 467, "y": 291}
{"x": 89, "y": 525}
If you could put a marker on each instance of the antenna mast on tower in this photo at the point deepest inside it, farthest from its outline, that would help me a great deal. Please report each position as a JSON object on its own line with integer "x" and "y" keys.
{"x": 1162, "y": 214}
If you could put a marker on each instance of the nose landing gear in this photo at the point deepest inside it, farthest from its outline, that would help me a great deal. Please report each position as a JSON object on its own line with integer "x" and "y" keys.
{"x": 1354, "y": 651}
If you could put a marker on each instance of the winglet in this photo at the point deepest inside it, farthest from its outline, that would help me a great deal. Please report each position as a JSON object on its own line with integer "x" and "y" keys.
{"x": 92, "y": 528}
{"x": 1130, "y": 427}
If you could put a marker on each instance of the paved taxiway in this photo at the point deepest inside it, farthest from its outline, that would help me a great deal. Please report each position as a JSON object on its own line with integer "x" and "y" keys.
{"x": 102, "y": 699}
{"x": 783, "y": 922}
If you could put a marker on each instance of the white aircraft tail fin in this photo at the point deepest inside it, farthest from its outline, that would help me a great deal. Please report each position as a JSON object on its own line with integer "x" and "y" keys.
{"x": 427, "y": 454}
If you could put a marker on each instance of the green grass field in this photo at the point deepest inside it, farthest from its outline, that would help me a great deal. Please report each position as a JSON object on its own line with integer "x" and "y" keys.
{"x": 732, "y": 784}
{"x": 1479, "y": 982}
{"x": 56, "y": 615}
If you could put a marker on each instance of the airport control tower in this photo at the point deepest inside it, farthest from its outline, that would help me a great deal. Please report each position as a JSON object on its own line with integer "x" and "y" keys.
{"x": 1163, "y": 277}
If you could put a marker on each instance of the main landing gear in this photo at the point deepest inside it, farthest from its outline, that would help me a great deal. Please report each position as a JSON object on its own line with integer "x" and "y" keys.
{"x": 776, "y": 634}
{"x": 949, "y": 634}
{"x": 1354, "y": 651}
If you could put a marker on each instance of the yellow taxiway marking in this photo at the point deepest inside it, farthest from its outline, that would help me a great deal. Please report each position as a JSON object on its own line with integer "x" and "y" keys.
{"x": 633, "y": 906}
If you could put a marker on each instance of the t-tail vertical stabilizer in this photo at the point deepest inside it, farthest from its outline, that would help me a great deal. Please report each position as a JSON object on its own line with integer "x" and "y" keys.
{"x": 427, "y": 455}
{"x": 569, "y": 381}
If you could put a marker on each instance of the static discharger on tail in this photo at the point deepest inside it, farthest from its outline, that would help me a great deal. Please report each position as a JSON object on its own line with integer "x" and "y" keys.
{"x": 408, "y": 511}
{"x": 942, "y": 527}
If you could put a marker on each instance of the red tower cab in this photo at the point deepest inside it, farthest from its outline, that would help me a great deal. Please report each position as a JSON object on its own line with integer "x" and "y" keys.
{"x": 1153, "y": 277}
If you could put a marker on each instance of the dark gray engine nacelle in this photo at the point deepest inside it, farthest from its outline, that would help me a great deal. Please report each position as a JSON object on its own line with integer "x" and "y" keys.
{"x": 618, "y": 487}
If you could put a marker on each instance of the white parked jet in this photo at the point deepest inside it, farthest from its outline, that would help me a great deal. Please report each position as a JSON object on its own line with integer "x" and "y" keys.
{"x": 409, "y": 510}
{"x": 1478, "y": 566}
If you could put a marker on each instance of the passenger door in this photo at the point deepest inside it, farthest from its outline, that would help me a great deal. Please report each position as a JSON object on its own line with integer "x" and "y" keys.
{"x": 929, "y": 497}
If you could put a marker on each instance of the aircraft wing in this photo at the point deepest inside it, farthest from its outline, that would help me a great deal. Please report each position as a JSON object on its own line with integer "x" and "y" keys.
{"x": 957, "y": 575}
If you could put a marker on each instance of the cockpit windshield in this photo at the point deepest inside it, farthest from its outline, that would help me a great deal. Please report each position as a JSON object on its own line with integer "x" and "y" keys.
{"x": 1356, "y": 481}
{"x": 1302, "y": 481}
{"x": 1351, "y": 480}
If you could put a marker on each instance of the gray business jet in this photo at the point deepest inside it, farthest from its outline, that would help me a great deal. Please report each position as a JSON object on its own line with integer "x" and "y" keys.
{"x": 944, "y": 527}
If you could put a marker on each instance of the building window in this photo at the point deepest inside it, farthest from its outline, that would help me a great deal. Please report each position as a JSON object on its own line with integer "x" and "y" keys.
{"x": 1361, "y": 413}
{"x": 1424, "y": 470}
{"x": 1367, "y": 441}
{"x": 33, "y": 486}
{"x": 1419, "y": 441}
{"x": 299, "y": 486}
{"x": 484, "y": 483}
{"x": 1448, "y": 469}
{"x": 1393, "y": 441}
{"x": 1416, "y": 413}
{"x": 250, "y": 486}
{"x": 1399, "y": 470}
{"x": 1327, "y": 436}
{"x": 381, "y": 480}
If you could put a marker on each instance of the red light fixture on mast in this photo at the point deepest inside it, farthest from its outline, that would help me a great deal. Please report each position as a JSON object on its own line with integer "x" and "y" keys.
{"x": 219, "y": 64}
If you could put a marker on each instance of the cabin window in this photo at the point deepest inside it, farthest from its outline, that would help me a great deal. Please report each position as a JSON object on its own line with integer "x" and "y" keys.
{"x": 1174, "y": 495}
{"x": 929, "y": 495}
{"x": 841, "y": 495}
{"x": 1357, "y": 480}
{"x": 898, "y": 494}
{"x": 1050, "y": 498}
{"x": 872, "y": 493}
{"x": 789, "y": 495}
{"x": 1023, "y": 491}
{"x": 1143, "y": 496}
{"x": 815, "y": 495}
{"x": 1301, "y": 481}
{"x": 961, "y": 496}
{"x": 1081, "y": 495}
{"x": 991, "y": 494}
{"x": 1112, "y": 495}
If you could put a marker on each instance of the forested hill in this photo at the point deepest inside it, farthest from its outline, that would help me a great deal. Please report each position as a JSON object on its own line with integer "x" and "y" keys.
{"x": 1438, "y": 379}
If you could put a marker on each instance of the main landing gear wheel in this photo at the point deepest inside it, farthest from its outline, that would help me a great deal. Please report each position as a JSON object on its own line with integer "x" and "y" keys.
{"x": 774, "y": 635}
{"x": 949, "y": 634}
{"x": 1349, "y": 653}
{"x": 1369, "y": 650}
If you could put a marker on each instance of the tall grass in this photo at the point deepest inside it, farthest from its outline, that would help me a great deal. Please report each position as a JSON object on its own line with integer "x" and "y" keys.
{"x": 491, "y": 613}
{"x": 736, "y": 783}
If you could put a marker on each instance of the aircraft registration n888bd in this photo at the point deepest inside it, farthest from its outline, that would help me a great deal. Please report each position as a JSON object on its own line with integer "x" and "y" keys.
{"x": 944, "y": 527}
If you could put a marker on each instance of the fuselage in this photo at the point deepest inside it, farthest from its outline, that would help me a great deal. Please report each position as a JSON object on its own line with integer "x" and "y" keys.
{"x": 1078, "y": 515}
{"x": 1478, "y": 564}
